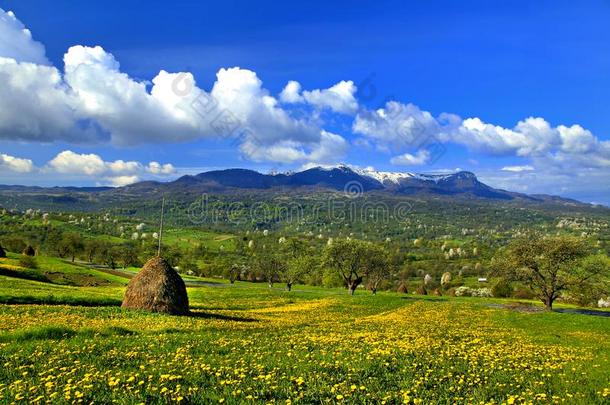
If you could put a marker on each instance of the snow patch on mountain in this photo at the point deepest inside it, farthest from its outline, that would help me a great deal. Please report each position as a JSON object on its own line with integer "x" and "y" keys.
{"x": 385, "y": 178}
{"x": 398, "y": 177}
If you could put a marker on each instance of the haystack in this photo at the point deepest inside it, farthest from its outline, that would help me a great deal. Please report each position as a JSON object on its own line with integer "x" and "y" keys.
{"x": 2, "y": 252}
{"x": 402, "y": 288}
{"x": 157, "y": 288}
{"x": 29, "y": 251}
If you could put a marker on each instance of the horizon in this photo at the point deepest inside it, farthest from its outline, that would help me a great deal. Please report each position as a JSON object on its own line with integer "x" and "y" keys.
{"x": 497, "y": 90}
{"x": 356, "y": 170}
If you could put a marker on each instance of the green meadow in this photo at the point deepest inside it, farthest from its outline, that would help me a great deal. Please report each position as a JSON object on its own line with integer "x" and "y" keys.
{"x": 248, "y": 343}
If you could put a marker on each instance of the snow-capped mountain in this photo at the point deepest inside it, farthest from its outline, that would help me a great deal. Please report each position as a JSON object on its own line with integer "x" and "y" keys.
{"x": 335, "y": 178}
{"x": 395, "y": 178}
{"x": 342, "y": 178}
{"x": 386, "y": 178}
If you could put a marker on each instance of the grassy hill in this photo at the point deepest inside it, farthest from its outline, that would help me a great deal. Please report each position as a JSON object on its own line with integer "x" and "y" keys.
{"x": 65, "y": 339}
{"x": 248, "y": 343}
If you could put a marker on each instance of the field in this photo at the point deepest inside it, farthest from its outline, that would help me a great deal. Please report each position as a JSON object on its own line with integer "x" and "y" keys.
{"x": 290, "y": 202}
{"x": 248, "y": 343}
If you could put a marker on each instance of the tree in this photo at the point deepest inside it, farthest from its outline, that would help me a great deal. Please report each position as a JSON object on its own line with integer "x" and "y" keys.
{"x": 295, "y": 268}
{"x": 590, "y": 291}
{"x": 233, "y": 271}
{"x": 128, "y": 254}
{"x": 502, "y": 289}
{"x": 188, "y": 263}
{"x": 60, "y": 245}
{"x": 548, "y": 265}
{"x": 377, "y": 267}
{"x": 13, "y": 243}
{"x": 171, "y": 254}
{"x": 109, "y": 254}
{"x": 91, "y": 249}
{"x": 270, "y": 265}
{"x": 348, "y": 258}
{"x": 70, "y": 244}
{"x": 53, "y": 242}
{"x": 298, "y": 262}
{"x": 200, "y": 251}
{"x": 295, "y": 247}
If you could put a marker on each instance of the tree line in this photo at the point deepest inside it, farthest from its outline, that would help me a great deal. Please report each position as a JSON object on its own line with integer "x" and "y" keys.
{"x": 550, "y": 266}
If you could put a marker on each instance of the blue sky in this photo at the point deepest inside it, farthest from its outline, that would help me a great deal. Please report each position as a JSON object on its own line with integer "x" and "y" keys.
{"x": 460, "y": 74}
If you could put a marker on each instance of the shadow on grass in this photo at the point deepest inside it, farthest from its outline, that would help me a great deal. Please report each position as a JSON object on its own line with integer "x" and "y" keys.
{"x": 219, "y": 308}
{"x": 437, "y": 299}
{"x": 42, "y": 333}
{"x": 532, "y": 308}
{"x": 60, "y": 333}
{"x": 53, "y": 300}
{"x": 209, "y": 315}
{"x": 26, "y": 274}
{"x": 578, "y": 311}
{"x": 206, "y": 283}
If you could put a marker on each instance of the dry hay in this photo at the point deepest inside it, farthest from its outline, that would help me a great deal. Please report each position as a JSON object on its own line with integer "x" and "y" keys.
{"x": 157, "y": 288}
{"x": 402, "y": 288}
{"x": 29, "y": 251}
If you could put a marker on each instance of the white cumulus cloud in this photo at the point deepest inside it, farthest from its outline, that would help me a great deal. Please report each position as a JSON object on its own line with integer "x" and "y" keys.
{"x": 531, "y": 136}
{"x": 15, "y": 164}
{"x": 16, "y": 41}
{"x": 119, "y": 181}
{"x": 421, "y": 157}
{"x": 326, "y": 151}
{"x": 398, "y": 126}
{"x": 158, "y": 168}
{"x": 118, "y": 172}
{"x": 74, "y": 163}
{"x": 92, "y": 100}
{"x": 339, "y": 98}
{"x": 122, "y": 106}
{"x": 36, "y": 105}
{"x": 87, "y": 167}
{"x": 291, "y": 93}
{"x": 518, "y": 169}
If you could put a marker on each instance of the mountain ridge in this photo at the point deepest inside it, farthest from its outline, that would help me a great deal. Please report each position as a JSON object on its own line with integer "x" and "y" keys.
{"x": 342, "y": 178}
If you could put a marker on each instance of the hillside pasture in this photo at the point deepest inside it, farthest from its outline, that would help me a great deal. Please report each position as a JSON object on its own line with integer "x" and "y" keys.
{"x": 249, "y": 343}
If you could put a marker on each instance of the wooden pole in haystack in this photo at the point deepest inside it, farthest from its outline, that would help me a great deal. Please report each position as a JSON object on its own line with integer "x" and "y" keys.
{"x": 157, "y": 287}
{"x": 161, "y": 227}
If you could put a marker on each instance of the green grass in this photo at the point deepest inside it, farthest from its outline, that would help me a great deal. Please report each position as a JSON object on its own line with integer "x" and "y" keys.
{"x": 19, "y": 291}
{"x": 189, "y": 238}
{"x": 58, "y": 271}
{"x": 134, "y": 270}
{"x": 248, "y": 343}
{"x": 43, "y": 333}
